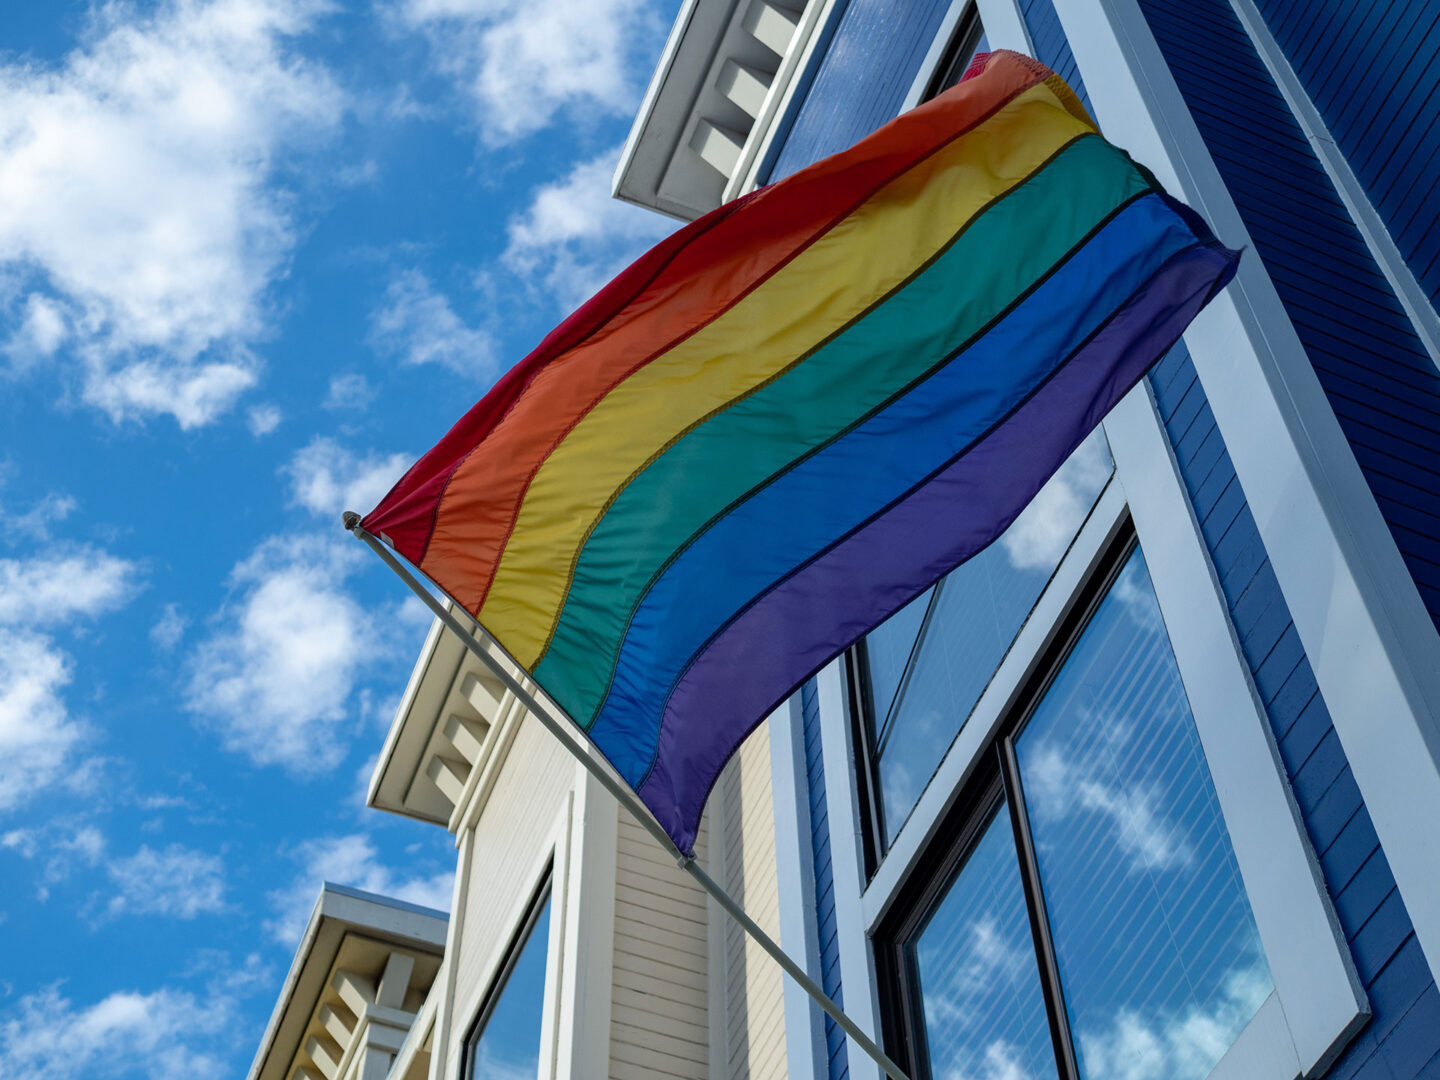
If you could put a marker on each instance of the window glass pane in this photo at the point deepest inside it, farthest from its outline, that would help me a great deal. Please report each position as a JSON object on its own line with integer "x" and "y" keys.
{"x": 887, "y": 652}
{"x": 508, "y": 1047}
{"x": 1159, "y": 958}
{"x": 980, "y": 609}
{"x": 979, "y": 983}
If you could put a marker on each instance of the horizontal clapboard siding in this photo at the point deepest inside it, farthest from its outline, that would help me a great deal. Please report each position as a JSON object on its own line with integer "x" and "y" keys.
{"x": 1373, "y": 71}
{"x": 1384, "y": 388}
{"x": 754, "y": 1005}
{"x": 659, "y": 1010}
{"x": 1404, "y": 1034}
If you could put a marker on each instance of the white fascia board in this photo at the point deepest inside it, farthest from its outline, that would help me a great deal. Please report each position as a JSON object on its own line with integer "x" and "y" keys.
{"x": 402, "y": 711}
{"x": 1360, "y": 618}
{"x": 652, "y": 94}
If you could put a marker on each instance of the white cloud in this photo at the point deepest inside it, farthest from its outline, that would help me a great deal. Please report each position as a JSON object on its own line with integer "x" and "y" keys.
{"x": 169, "y": 628}
{"x": 275, "y": 678}
{"x": 177, "y": 882}
{"x": 193, "y": 393}
{"x": 136, "y": 191}
{"x": 1057, "y": 787}
{"x": 1177, "y": 1046}
{"x": 523, "y": 62}
{"x": 349, "y": 391}
{"x": 263, "y": 419}
{"x": 35, "y": 523}
{"x": 41, "y": 331}
{"x": 574, "y": 237}
{"x": 347, "y": 860}
{"x": 1001, "y": 1061}
{"x": 327, "y": 479}
{"x": 1039, "y": 536}
{"x": 418, "y": 324}
{"x": 167, "y": 1034}
{"x": 54, "y": 588}
{"x": 37, "y": 734}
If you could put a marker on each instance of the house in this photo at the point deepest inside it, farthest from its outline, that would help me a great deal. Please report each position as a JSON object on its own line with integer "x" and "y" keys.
{"x": 1149, "y": 789}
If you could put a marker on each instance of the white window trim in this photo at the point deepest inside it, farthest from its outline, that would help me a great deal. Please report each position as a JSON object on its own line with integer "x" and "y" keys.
{"x": 587, "y": 952}
{"x": 553, "y": 859}
{"x": 1318, "y": 1002}
{"x": 1359, "y": 616}
{"x": 1319, "y": 991}
{"x": 995, "y": 704}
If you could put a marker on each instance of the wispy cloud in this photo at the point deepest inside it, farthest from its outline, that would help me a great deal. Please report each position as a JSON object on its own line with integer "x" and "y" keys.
{"x": 275, "y": 678}
{"x": 417, "y": 324}
{"x": 574, "y": 237}
{"x": 170, "y": 1033}
{"x": 1057, "y": 786}
{"x": 34, "y": 523}
{"x": 326, "y": 479}
{"x": 349, "y": 391}
{"x": 138, "y": 209}
{"x": 522, "y": 63}
{"x": 169, "y": 628}
{"x": 177, "y": 882}
{"x": 37, "y": 734}
{"x": 262, "y": 420}
{"x": 39, "y": 739}
{"x": 77, "y": 580}
{"x": 347, "y": 860}
{"x": 1183, "y": 1045}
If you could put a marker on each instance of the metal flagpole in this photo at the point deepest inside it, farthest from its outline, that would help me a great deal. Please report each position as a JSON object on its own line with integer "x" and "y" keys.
{"x": 560, "y": 728}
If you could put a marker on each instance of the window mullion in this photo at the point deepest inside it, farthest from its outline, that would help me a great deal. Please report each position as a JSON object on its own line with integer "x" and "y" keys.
{"x": 1035, "y": 905}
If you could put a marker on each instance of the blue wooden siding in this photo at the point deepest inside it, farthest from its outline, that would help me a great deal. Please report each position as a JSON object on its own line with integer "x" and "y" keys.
{"x": 838, "y": 1063}
{"x": 1051, "y": 48}
{"x": 1402, "y": 1040}
{"x": 1378, "y": 100}
{"x": 1384, "y": 388}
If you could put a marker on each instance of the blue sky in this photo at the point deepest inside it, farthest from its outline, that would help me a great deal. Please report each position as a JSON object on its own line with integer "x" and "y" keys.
{"x": 255, "y": 256}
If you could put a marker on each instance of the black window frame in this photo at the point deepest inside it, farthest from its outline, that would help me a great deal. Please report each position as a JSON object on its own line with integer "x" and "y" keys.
{"x": 958, "y": 53}
{"x": 518, "y": 940}
{"x": 994, "y": 777}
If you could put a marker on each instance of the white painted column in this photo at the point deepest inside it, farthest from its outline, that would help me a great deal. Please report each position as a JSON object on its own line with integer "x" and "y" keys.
{"x": 795, "y": 868}
{"x": 588, "y": 948}
{"x": 1371, "y": 642}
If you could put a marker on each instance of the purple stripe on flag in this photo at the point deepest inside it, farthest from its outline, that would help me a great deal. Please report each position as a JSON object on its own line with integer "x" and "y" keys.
{"x": 810, "y": 617}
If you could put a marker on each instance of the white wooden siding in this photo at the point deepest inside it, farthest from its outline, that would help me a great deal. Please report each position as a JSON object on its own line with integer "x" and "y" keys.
{"x": 754, "y": 1017}
{"x": 659, "y": 1008}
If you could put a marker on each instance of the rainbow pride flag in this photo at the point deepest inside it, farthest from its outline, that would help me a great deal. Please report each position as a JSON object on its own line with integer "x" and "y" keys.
{"x": 792, "y": 416}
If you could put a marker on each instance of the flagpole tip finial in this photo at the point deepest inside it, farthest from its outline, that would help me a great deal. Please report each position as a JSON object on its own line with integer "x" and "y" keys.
{"x": 351, "y": 519}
